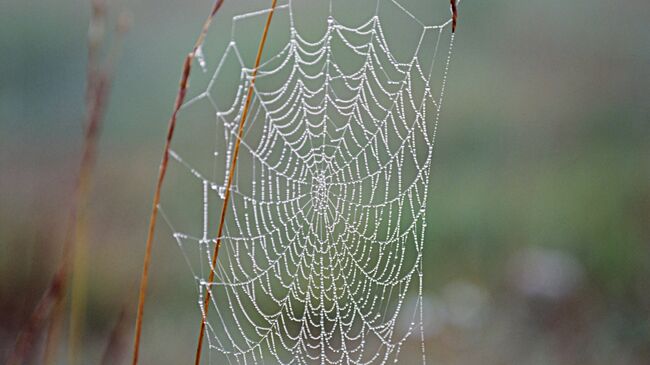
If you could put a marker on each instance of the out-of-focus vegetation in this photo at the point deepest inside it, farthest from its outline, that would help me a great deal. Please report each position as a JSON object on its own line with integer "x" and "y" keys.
{"x": 538, "y": 242}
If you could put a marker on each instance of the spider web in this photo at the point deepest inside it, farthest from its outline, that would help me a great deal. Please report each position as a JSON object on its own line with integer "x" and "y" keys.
{"x": 322, "y": 251}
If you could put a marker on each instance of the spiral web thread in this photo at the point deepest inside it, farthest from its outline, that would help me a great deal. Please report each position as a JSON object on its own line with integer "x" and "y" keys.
{"x": 321, "y": 257}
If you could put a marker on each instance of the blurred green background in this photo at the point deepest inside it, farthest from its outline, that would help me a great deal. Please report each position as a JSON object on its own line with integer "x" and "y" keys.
{"x": 538, "y": 242}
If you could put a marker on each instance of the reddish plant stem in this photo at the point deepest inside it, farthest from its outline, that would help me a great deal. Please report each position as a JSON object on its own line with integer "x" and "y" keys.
{"x": 231, "y": 174}
{"x": 117, "y": 344}
{"x": 40, "y": 314}
{"x": 58, "y": 286}
{"x": 454, "y": 15}
{"x": 180, "y": 97}
{"x": 97, "y": 93}
{"x": 99, "y": 78}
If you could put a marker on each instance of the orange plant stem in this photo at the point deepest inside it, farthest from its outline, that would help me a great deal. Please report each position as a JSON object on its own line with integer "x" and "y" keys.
{"x": 180, "y": 97}
{"x": 224, "y": 208}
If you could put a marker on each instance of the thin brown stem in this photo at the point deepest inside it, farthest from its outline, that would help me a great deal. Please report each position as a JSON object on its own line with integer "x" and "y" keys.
{"x": 224, "y": 208}
{"x": 54, "y": 332}
{"x": 454, "y": 15}
{"x": 97, "y": 92}
{"x": 99, "y": 80}
{"x": 117, "y": 344}
{"x": 40, "y": 314}
{"x": 180, "y": 97}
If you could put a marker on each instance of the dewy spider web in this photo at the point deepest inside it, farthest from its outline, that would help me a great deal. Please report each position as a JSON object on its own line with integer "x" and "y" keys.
{"x": 321, "y": 258}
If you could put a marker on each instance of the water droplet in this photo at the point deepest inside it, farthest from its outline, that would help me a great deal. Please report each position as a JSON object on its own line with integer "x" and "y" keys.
{"x": 201, "y": 58}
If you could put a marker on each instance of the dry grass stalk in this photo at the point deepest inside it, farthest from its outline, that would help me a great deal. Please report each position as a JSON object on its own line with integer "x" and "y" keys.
{"x": 41, "y": 312}
{"x": 180, "y": 98}
{"x": 97, "y": 92}
{"x": 231, "y": 174}
{"x": 117, "y": 344}
{"x": 96, "y": 36}
{"x": 454, "y": 15}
